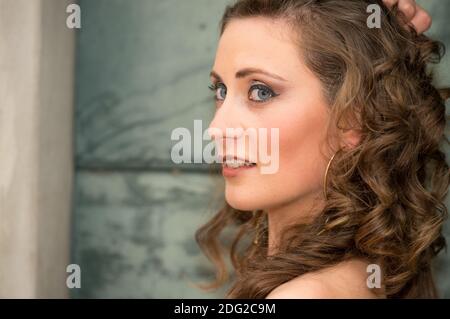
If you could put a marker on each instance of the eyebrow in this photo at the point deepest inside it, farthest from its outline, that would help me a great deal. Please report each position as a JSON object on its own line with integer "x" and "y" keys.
{"x": 246, "y": 72}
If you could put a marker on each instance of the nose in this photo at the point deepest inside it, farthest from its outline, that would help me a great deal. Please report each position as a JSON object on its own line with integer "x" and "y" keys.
{"x": 225, "y": 128}
{"x": 226, "y": 123}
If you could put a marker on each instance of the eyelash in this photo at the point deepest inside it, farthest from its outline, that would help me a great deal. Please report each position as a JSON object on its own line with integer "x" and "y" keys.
{"x": 213, "y": 87}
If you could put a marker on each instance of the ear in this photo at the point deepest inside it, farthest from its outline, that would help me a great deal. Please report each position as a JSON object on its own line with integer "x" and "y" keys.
{"x": 350, "y": 138}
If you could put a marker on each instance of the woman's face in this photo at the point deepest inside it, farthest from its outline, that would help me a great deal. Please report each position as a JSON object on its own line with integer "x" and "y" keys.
{"x": 290, "y": 99}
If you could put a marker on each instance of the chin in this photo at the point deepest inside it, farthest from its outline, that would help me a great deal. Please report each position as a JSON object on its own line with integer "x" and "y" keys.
{"x": 240, "y": 200}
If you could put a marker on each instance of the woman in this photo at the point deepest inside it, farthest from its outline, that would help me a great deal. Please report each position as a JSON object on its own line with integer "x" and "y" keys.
{"x": 358, "y": 194}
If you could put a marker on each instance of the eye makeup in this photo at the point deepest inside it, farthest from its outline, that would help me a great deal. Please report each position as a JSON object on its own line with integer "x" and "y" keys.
{"x": 258, "y": 92}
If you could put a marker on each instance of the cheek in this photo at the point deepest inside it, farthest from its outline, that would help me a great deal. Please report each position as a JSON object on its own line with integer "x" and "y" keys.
{"x": 300, "y": 157}
{"x": 301, "y": 162}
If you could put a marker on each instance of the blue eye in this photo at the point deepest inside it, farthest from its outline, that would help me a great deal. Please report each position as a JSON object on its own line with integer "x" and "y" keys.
{"x": 220, "y": 91}
{"x": 261, "y": 93}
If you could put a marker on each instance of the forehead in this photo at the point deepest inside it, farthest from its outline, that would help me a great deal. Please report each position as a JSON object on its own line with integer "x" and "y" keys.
{"x": 257, "y": 42}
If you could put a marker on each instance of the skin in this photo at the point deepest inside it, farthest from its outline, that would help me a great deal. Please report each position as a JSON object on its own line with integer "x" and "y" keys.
{"x": 346, "y": 280}
{"x": 291, "y": 101}
{"x": 413, "y": 14}
{"x": 299, "y": 112}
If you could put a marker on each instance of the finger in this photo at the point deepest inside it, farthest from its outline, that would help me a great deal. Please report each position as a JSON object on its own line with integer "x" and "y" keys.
{"x": 421, "y": 21}
{"x": 390, "y": 3}
{"x": 408, "y": 9}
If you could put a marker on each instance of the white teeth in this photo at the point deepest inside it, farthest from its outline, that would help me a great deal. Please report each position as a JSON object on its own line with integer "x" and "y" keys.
{"x": 233, "y": 163}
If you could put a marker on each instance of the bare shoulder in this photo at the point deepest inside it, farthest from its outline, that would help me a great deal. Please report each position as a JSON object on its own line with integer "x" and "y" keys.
{"x": 345, "y": 280}
{"x": 302, "y": 287}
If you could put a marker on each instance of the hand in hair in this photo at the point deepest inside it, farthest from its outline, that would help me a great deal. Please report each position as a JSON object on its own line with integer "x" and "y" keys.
{"x": 414, "y": 14}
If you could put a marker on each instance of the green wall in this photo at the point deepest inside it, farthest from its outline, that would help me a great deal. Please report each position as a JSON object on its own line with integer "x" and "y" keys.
{"x": 142, "y": 70}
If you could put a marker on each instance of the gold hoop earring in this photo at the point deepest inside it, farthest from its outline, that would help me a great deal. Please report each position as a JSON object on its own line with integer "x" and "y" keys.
{"x": 257, "y": 226}
{"x": 326, "y": 176}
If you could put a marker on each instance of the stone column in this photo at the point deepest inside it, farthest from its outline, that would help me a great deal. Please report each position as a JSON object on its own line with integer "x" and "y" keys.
{"x": 36, "y": 115}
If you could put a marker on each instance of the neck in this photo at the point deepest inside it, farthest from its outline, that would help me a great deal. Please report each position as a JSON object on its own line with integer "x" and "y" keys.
{"x": 302, "y": 210}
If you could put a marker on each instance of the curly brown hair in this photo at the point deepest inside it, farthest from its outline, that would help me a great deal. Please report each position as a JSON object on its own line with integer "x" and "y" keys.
{"x": 385, "y": 198}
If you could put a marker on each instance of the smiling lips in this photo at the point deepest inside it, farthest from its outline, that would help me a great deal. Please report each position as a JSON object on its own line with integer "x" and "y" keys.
{"x": 235, "y": 162}
{"x": 232, "y": 165}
